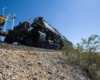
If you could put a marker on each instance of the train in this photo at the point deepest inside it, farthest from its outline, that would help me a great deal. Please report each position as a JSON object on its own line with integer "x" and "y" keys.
{"x": 39, "y": 33}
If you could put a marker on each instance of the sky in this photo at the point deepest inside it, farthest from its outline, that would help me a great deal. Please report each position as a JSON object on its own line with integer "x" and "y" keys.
{"x": 75, "y": 19}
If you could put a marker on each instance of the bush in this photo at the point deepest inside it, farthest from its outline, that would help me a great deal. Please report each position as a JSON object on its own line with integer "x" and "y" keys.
{"x": 85, "y": 55}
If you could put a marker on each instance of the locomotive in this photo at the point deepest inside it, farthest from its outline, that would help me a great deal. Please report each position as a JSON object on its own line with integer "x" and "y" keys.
{"x": 38, "y": 34}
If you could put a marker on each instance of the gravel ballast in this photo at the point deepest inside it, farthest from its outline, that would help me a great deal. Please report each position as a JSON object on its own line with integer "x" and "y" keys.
{"x": 19, "y": 62}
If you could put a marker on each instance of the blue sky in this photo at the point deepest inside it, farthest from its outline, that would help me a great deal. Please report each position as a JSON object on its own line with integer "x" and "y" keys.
{"x": 72, "y": 18}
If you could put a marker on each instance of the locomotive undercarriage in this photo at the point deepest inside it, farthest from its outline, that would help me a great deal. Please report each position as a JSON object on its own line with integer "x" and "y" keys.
{"x": 33, "y": 39}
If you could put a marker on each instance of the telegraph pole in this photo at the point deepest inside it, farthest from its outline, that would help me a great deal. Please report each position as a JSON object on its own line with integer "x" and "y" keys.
{"x": 4, "y": 11}
{"x": 13, "y": 17}
{"x": 6, "y": 23}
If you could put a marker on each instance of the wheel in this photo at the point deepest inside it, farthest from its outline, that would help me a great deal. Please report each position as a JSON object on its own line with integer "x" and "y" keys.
{"x": 47, "y": 46}
{"x": 8, "y": 40}
{"x": 42, "y": 45}
{"x": 55, "y": 47}
{"x": 5, "y": 40}
{"x": 29, "y": 42}
{"x": 51, "y": 46}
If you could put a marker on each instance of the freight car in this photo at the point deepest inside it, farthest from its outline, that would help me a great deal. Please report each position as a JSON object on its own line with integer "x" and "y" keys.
{"x": 39, "y": 34}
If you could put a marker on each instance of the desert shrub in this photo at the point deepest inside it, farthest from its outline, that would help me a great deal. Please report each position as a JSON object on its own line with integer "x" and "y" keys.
{"x": 85, "y": 55}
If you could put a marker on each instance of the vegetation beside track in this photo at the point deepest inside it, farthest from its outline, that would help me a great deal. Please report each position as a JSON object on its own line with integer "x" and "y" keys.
{"x": 85, "y": 55}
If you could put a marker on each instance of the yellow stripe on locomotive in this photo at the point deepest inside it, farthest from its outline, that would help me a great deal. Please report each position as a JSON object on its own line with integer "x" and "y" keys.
{"x": 3, "y": 18}
{"x": 2, "y": 21}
